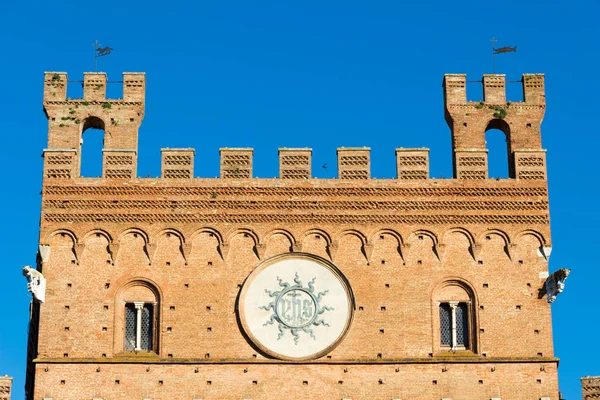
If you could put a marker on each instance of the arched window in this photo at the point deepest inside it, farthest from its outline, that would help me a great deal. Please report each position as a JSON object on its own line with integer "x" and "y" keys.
{"x": 137, "y": 319}
{"x": 497, "y": 140}
{"x": 454, "y": 316}
{"x": 92, "y": 143}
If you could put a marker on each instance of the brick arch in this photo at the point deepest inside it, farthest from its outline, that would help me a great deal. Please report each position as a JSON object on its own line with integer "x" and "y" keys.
{"x": 102, "y": 232}
{"x": 266, "y": 252}
{"x": 462, "y": 231}
{"x": 497, "y": 232}
{"x": 534, "y": 233}
{"x": 316, "y": 231}
{"x": 279, "y": 231}
{"x": 208, "y": 229}
{"x": 457, "y": 289}
{"x": 245, "y": 231}
{"x": 352, "y": 232}
{"x": 133, "y": 289}
{"x": 425, "y": 232}
{"x": 64, "y": 232}
{"x": 390, "y": 232}
{"x": 135, "y": 230}
{"x": 116, "y": 245}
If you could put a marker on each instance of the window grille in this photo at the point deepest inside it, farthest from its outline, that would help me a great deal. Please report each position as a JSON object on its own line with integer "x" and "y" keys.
{"x": 462, "y": 330}
{"x": 445, "y": 325}
{"x": 130, "y": 323}
{"x": 146, "y": 328}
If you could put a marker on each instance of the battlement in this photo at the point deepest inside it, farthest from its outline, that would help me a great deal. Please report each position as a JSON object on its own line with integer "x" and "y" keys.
{"x": 121, "y": 118}
{"x": 520, "y": 122}
{"x": 494, "y": 89}
{"x": 94, "y": 87}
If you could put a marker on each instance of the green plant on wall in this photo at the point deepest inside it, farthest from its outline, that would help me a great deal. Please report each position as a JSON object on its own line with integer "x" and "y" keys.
{"x": 106, "y": 105}
{"x": 499, "y": 113}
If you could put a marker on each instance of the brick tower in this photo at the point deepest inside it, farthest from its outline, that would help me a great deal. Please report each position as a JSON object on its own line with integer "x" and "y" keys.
{"x": 246, "y": 288}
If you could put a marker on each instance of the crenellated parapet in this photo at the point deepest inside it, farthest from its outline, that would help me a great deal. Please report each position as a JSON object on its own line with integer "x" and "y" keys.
{"x": 120, "y": 119}
{"x": 520, "y": 122}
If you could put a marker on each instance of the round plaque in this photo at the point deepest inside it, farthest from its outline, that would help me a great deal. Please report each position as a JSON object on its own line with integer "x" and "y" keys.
{"x": 296, "y": 306}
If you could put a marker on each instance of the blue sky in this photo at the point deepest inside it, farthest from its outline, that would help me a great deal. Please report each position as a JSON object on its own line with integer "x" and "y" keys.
{"x": 308, "y": 74}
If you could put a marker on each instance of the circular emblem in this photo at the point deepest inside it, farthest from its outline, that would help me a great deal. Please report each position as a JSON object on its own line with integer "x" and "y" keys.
{"x": 296, "y": 306}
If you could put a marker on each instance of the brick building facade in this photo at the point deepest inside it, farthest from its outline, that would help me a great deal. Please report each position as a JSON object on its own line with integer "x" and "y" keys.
{"x": 249, "y": 288}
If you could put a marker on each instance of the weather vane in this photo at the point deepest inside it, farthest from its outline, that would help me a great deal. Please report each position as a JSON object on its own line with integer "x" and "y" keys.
{"x": 100, "y": 52}
{"x": 505, "y": 49}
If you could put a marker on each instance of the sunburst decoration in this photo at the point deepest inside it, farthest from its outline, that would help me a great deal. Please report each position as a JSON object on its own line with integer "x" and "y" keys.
{"x": 296, "y": 308}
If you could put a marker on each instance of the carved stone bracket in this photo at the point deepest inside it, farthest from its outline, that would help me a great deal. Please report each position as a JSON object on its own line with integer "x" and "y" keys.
{"x": 476, "y": 251}
{"x": 261, "y": 248}
{"x": 78, "y": 250}
{"x": 545, "y": 251}
{"x": 150, "y": 249}
{"x": 223, "y": 250}
{"x": 404, "y": 249}
{"x": 113, "y": 250}
{"x": 44, "y": 251}
{"x": 367, "y": 250}
{"x": 332, "y": 250}
{"x": 439, "y": 250}
{"x": 186, "y": 250}
{"x": 511, "y": 250}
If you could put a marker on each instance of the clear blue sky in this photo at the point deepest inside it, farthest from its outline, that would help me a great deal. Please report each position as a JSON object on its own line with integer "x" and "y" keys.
{"x": 318, "y": 74}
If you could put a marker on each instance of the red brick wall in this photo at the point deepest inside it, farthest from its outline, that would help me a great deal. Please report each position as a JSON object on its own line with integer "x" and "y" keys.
{"x": 196, "y": 241}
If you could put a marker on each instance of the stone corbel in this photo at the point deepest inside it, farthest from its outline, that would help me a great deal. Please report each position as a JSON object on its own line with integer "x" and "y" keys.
{"x": 511, "y": 250}
{"x": 476, "y": 251}
{"x": 367, "y": 250}
{"x": 332, "y": 250}
{"x": 403, "y": 249}
{"x": 44, "y": 252}
{"x": 78, "y": 250}
{"x": 150, "y": 249}
{"x": 297, "y": 247}
{"x": 113, "y": 250}
{"x": 186, "y": 250}
{"x": 260, "y": 250}
{"x": 439, "y": 249}
{"x": 223, "y": 250}
{"x": 545, "y": 251}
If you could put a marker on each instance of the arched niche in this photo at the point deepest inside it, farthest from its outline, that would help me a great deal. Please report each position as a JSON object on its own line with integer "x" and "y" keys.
{"x": 90, "y": 147}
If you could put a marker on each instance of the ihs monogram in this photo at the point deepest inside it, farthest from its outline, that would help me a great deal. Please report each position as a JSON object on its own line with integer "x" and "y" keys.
{"x": 296, "y": 308}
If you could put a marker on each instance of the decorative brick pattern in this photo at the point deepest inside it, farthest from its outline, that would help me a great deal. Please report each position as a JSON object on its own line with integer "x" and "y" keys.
{"x": 471, "y": 164}
{"x": 295, "y": 163}
{"x": 119, "y": 164}
{"x": 530, "y": 164}
{"x": 59, "y": 163}
{"x": 354, "y": 163}
{"x": 177, "y": 163}
{"x": 590, "y": 387}
{"x": 412, "y": 164}
{"x": 5, "y": 387}
{"x": 236, "y": 163}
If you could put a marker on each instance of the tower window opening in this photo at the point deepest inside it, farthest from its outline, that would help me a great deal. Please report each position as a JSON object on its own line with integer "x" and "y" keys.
{"x": 92, "y": 143}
